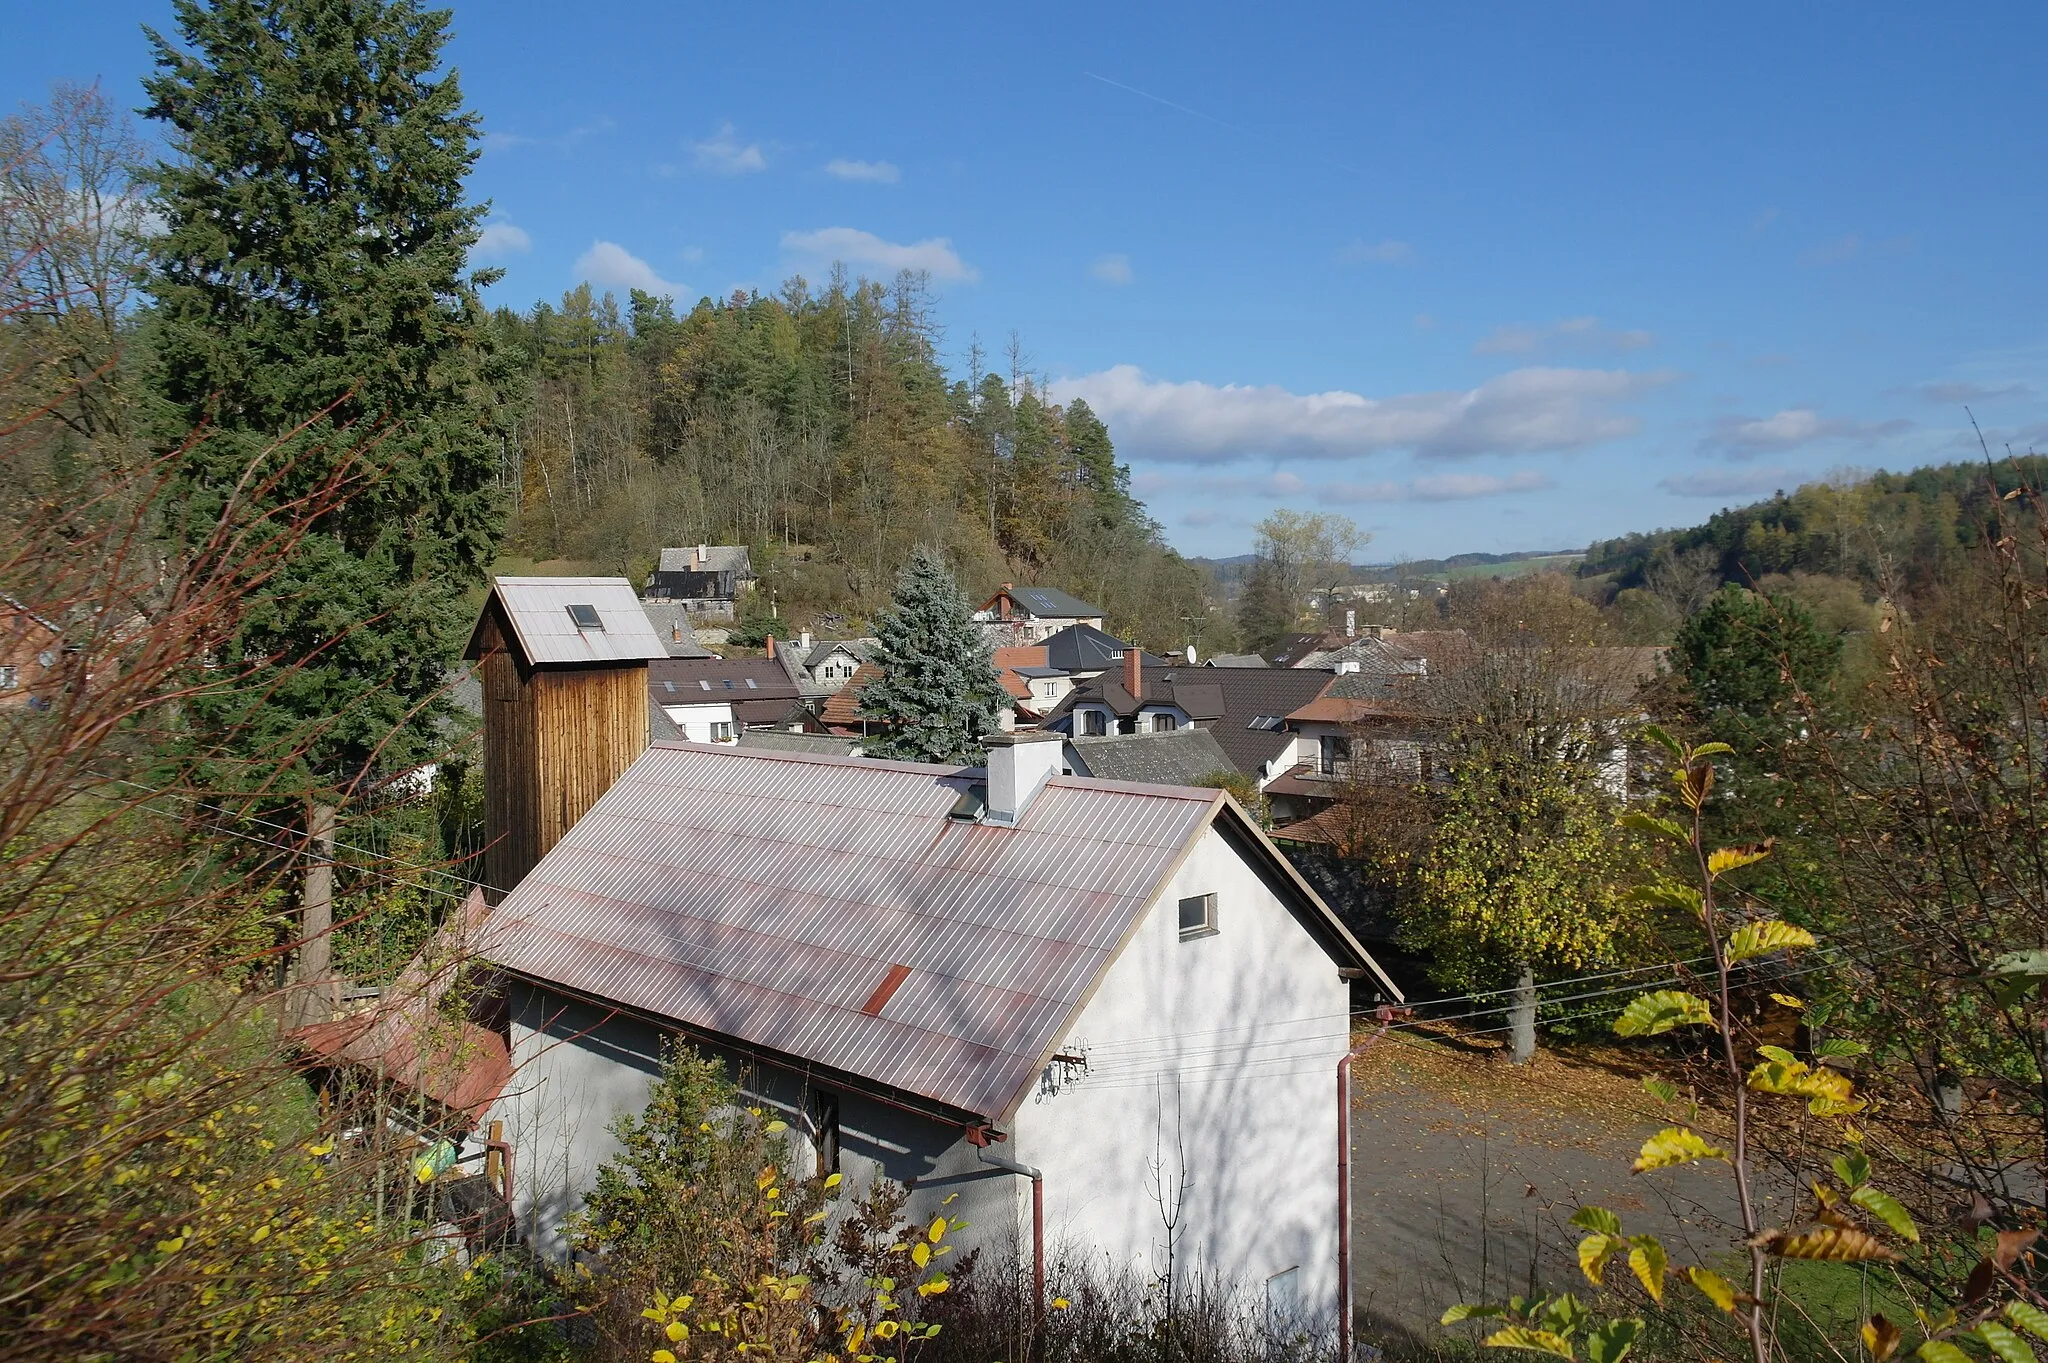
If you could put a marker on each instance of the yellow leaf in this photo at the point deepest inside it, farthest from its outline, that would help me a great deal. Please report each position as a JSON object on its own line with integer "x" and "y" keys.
{"x": 1650, "y": 1265}
{"x": 835, "y": 1180}
{"x": 1722, "y": 860}
{"x": 1675, "y": 1145}
{"x": 663, "y": 1356}
{"x": 1060, "y": 1303}
{"x": 1880, "y": 1337}
{"x": 1594, "y": 1252}
{"x": 1522, "y": 1337}
{"x": 1763, "y": 938}
{"x": 676, "y": 1331}
{"x": 1787, "y": 1001}
{"x": 937, "y": 1231}
{"x": 1828, "y": 1092}
{"x": 1713, "y": 1287}
{"x": 1839, "y": 1244}
{"x": 920, "y": 1254}
{"x": 776, "y": 1128}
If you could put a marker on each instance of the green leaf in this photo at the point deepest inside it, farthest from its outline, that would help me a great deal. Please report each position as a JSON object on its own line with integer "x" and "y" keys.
{"x": 1713, "y": 1287}
{"x": 1853, "y": 1168}
{"x": 1656, "y": 733}
{"x": 1462, "y": 1311}
{"x": 1650, "y": 1264}
{"x": 1667, "y": 894}
{"x": 1837, "y": 1047}
{"x": 1651, "y": 823}
{"x": 1536, "y": 1341}
{"x": 1612, "y": 1341}
{"x": 1652, "y": 1014}
{"x": 1940, "y": 1351}
{"x": 1886, "y": 1208}
{"x": 1596, "y": 1219}
{"x": 1675, "y": 1145}
{"x": 2033, "y": 964}
{"x": 1712, "y": 750}
{"x": 2008, "y": 1347}
{"x": 2028, "y": 1317}
{"x": 1663, "y": 1090}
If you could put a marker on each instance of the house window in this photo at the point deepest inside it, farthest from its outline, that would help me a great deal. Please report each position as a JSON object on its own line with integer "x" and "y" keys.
{"x": 1336, "y": 755}
{"x": 1095, "y": 722}
{"x": 1198, "y": 916}
{"x": 825, "y": 1132}
{"x": 1283, "y": 1301}
{"x": 1164, "y": 724}
{"x": 721, "y": 731}
{"x": 9, "y": 677}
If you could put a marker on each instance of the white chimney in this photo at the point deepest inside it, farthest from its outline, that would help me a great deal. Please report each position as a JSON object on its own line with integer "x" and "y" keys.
{"x": 1019, "y": 765}
{"x": 1350, "y": 623}
{"x": 804, "y": 641}
{"x": 1191, "y": 655}
{"x": 703, "y": 555}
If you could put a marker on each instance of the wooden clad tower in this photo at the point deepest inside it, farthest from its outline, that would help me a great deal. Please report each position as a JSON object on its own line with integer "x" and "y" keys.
{"x": 565, "y": 708}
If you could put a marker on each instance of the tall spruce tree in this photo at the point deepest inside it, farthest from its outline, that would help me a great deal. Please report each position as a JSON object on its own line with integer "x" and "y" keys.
{"x": 938, "y": 693}
{"x": 315, "y": 315}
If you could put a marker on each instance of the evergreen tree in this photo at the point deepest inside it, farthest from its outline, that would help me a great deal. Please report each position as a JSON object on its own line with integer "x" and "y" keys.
{"x": 938, "y": 692}
{"x": 1742, "y": 655}
{"x": 312, "y": 270}
{"x": 315, "y": 321}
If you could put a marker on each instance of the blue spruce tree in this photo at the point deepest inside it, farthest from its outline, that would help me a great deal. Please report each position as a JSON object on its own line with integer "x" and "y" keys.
{"x": 938, "y": 693}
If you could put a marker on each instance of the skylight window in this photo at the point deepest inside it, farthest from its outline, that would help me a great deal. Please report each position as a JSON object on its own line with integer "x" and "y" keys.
{"x": 586, "y": 617}
{"x": 1266, "y": 723}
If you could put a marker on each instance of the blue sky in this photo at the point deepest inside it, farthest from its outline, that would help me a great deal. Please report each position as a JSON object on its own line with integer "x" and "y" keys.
{"x": 1479, "y": 277}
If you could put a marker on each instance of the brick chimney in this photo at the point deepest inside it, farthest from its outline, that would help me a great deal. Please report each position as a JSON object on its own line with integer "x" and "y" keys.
{"x": 1134, "y": 672}
{"x": 771, "y": 645}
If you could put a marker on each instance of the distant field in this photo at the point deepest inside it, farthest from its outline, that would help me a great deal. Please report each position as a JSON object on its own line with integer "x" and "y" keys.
{"x": 1514, "y": 567}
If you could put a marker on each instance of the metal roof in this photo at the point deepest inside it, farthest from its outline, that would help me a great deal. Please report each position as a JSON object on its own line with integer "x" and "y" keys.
{"x": 716, "y": 558}
{"x": 764, "y": 897}
{"x": 1048, "y": 603}
{"x": 537, "y": 611}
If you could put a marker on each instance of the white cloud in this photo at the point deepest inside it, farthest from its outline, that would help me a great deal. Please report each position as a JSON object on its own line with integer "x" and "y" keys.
{"x": 1517, "y": 412}
{"x": 873, "y": 172}
{"x": 608, "y": 265}
{"x": 722, "y": 153}
{"x": 502, "y": 141}
{"x": 1743, "y": 437}
{"x": 1748, "y": 482}
{"x": 1114, "y": 269}
{"x": 855, "y": 247}
{"x": 501, "y": 239}
{"x": 1377, "y": 253}
{"x": 1572, "y": 333}
{"x": 1448, "y": 487}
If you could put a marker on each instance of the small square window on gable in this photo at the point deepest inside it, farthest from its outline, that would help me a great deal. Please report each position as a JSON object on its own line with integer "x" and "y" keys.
{"x": 1197, "y": 916}
{"x": 586, "y": 617}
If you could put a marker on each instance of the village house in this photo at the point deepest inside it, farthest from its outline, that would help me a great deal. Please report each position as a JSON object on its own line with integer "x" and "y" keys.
{"x": 1179, "y": 757}
{"x": 1032, "y": 998}
{"x": 1244, "y": 708}
{"x": 672, "y": 626}
{"x": 827, "y": 664}
{"x": 31, "y": 656}
{"x": 705, "y": 579}
{"x": 714, "y": 700}
{"x": 1026, "y": 615}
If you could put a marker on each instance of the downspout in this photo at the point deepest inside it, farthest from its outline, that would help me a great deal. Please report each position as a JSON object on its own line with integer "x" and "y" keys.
{"x": 1386, "y": 1015}
{"x": 1037, "y": 1178}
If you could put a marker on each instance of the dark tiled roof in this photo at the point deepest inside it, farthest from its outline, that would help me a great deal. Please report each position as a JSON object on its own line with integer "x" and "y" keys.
{"x": 1047, "y": 602}
{"x": 718, "y": 558}
{"x": 1179, "y": 758}
{"x": 1290, "y": 649}
{"x": 1084, "y": 648}
{"x": 782, "y": 740}
{"x": 1235, "y": 660}
{"x": 1246, "y": 694}
{"x": 672, "y": 626}
{"x": 697, "y": 681}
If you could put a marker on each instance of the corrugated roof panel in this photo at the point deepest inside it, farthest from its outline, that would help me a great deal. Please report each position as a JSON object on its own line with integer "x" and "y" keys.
{"x": 538, "y": 608}
{"x": 765, "y": 896}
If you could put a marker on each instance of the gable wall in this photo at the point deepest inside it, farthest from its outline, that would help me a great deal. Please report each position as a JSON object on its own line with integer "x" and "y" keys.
{"x": 1217, "y": 1056}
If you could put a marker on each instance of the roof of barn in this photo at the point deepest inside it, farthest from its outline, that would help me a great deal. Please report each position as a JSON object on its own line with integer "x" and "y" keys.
{"x": 829, "y": 910}
{"x": 536, "y": 609}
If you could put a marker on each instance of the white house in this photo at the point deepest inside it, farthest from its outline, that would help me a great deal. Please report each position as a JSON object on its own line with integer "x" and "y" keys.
{"x": 987, "y": 983}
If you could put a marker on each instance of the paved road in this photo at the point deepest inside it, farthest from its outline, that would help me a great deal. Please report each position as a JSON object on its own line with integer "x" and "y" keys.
{"x": 1465, "y": 1173}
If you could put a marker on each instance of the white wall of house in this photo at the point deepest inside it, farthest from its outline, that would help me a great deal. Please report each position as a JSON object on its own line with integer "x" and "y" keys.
{"x": 1215, "y": 1056}
{"x": 708, "y": 723}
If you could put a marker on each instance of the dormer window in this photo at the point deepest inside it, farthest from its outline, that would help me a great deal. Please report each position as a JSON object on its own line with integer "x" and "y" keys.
{"x": 586, "y": 617}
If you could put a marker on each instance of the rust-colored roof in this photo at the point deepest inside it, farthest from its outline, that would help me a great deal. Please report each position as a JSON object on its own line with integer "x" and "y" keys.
{"x": 1008, "y": 660}
{"x": 842, "y": 708}
{"x": 1328, "y": 709}
{"x": 458, "y": 1064}
{"x": 769, "y": 898}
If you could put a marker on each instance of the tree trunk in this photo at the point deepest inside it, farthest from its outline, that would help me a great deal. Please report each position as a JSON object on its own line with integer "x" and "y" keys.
{"x": 1522, "y": 1018}
{"x": 319, "y": 998}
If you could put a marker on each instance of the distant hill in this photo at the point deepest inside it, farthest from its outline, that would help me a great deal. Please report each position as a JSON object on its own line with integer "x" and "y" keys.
{"x": 1230, "y": 571}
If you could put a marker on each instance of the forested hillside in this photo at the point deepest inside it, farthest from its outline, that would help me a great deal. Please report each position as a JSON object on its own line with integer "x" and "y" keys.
{"x": 820, "y": 426}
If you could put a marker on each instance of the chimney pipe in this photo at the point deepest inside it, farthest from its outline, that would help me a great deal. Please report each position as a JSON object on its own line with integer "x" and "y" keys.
{"x": 675, "y": 631}
{"x": 1019, "y": 765}
{"x": 1350, "y": 624}
{"x": 771, "y": 645}
{"x": 1134, "y": 672}
{"x": 804, "y": 641}
{"x": 703, "y": 554}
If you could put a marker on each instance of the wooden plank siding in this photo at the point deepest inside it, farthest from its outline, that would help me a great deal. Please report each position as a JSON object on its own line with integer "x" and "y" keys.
{"x": 554, "y": 740}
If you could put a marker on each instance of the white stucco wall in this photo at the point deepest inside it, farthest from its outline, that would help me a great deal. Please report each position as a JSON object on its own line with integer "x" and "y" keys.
{"x": 696, "y": 720}
{"x": 1215, "y": 1056}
